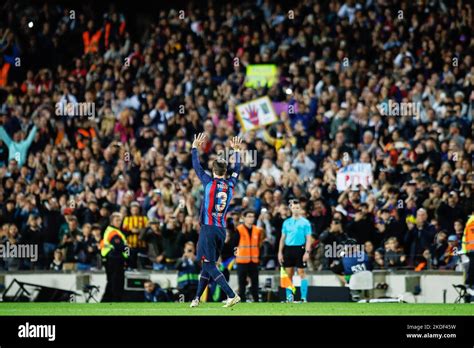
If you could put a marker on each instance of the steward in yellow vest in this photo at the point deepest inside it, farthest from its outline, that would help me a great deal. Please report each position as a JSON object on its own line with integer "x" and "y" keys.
{"x": 250, "y": 239}
{"x": 115, "y": 251}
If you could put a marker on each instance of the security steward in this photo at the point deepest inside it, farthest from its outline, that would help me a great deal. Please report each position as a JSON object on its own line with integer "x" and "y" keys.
{"x": 115, "y": 252}
{"x": 468, "y": 249}
{"x": 249, "y": 239}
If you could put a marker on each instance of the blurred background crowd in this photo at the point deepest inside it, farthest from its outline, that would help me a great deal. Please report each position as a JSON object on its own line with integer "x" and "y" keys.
{"x": 157, "y": 78}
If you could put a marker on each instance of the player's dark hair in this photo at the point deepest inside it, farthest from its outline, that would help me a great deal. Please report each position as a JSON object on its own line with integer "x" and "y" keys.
{"x": 219, "y": 167}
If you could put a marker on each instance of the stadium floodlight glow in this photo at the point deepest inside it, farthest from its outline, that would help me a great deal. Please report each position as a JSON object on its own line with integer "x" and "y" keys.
{"x": 288, "y": 91}
{"x": 30, "y": 24}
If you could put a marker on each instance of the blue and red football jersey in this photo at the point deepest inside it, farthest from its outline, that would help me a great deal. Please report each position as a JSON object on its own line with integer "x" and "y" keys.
{"x": 217, "y": 193}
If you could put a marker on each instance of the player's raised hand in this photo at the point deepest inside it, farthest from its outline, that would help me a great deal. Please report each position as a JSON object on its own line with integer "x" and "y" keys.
{"x": 235, "y": 143}
{"x": 199, "y": 139}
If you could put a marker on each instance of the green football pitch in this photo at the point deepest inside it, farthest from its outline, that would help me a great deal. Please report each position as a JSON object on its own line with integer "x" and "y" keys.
{"x": 277, "y": 309}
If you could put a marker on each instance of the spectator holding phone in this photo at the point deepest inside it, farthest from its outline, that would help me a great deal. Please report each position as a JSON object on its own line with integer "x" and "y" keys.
{"x": 188, "y": 272}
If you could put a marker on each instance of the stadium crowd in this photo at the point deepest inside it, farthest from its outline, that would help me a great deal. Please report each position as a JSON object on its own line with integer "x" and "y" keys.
{"x": 152, "y": 90}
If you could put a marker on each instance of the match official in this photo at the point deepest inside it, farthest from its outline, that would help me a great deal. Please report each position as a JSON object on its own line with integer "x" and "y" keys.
{"x": 115, "y": 252}
{"x": 295, "y": 247}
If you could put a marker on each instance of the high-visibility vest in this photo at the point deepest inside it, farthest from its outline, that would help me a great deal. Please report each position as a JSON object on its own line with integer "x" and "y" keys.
{"x": 468, "y": 236}
{"x": 187, "y": 278}
{"x": 106, "y": 245}
{"x": 248, "y": 249}
{"x": 4, "y": 74}
{"x": 91, "y": 44}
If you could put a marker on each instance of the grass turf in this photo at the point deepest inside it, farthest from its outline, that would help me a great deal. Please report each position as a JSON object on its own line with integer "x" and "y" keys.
{"x": 182, "y": 309}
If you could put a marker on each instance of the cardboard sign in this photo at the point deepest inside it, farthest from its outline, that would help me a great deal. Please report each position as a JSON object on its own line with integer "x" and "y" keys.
{"x": 256, "y": 113}
{"x": 353, "y": 175}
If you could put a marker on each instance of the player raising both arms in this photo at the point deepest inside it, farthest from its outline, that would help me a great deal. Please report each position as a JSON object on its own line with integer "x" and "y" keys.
{"x": 218, "y": 193}
{"x": 295, "y": 246}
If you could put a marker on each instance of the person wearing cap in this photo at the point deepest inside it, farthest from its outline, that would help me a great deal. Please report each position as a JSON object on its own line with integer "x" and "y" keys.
{"x": 451, "y": 255}
{"x": 115, "y": 252}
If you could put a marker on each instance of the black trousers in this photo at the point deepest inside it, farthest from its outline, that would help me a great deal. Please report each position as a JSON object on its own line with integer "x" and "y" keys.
{"x": 470, "y": 271}
{"x": 115, "y": 271}
{"x": 250, "y": 270}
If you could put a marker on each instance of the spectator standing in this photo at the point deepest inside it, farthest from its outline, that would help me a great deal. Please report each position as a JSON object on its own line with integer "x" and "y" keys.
{"x": 52, "y": 221}
{"x": 19, "y": 145}
{"x": 419, "y": 239}
{"x": 68, "y": 234}
{"x": 171, "y": 236}
{"x": 188, "y": 272}
{"x": 438, "y": 249}
{"x": 449, "y": 211}
{"x": 333, "y": 237}
{"x": 132, "y": 225}
{"x": 154, "y": 240}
